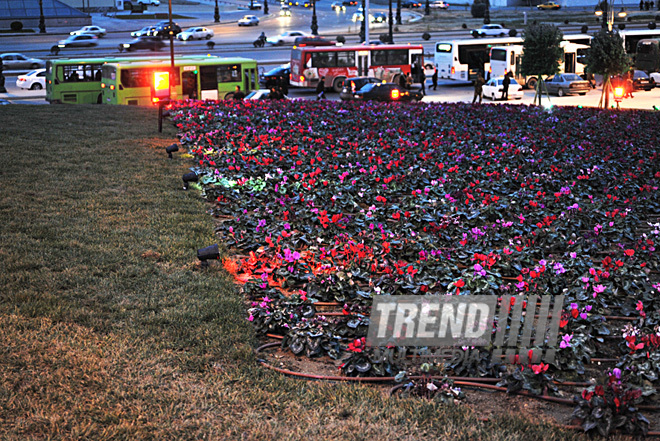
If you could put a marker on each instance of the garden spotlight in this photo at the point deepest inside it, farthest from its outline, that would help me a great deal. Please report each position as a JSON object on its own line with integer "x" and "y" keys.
{"x": 171, "y": 149}
{"x": 188, "y": 178}
{"x": 210, "y": 252}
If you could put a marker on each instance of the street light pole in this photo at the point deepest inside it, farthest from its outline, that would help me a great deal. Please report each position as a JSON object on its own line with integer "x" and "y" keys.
{"x": 42, "y": 19}
{"x": 398, "y": 12}
{"x": 216, "y": 13}
{"x": 362, "y": 24}
{"x": 265, "y": 7}
{"x": 427, "y": 8}
{"x": 390, "y": 19}
{"x": 315, "y": 24}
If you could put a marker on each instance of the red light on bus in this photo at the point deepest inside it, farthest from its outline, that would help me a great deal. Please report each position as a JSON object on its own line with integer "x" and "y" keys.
{"x": 112, "y": 87}
{"x": 395, "y": 94}
{"x": 453, "y": 70}
{"x": 302, "y": 78}
{"x": 102, "y": 85}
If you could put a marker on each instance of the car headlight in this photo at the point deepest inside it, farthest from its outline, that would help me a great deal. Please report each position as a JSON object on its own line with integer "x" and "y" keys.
{"x": 126, "y": 45}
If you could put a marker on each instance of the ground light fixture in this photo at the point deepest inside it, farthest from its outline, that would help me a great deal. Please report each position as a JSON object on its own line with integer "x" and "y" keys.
{"x": 209, "y": 253}
{"x": 171, "y": 149}
{"x": 188, "y": 178}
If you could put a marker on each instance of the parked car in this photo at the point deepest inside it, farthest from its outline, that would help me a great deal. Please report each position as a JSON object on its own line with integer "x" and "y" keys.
{"x": 493, "y": 89}
{"x": 548, "y": 6}
{"x": 149, "y": 2}
{"x": 147, "y": 30}
{"x": 196, "y": 33}
{"x": 312, "y": 40}
{"x": 254, "y": 6}
{"x": 163, "y": 30}
{"x": 353, "y": 84}
{"x": 278, "y": 76}
{"x": 261, "y": 94}
{"x": 490, "y": 30}
{"x": 285, "y": 11}
{"x": 249, "y": 20}
{"x": 386, "y": 92}
{"x": 82, "y": 40}
{"x": 568, "y": 83}
{"x": 338, "y": 6}
{"x": 34, "y": 80}
{"x": 439, "y": 4}
{"x": 16, "y": 61}
{"x": 150, "y": 43}
{"x": 287, "y": 37}
{"x": 642, "y": 81}
{"x": 410, "y": 4}
{"x": 92, "y": 30}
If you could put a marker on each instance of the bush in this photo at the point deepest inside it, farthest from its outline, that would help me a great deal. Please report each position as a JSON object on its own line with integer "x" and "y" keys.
{"x": 652, "y": 25}
{"x": 512, "y": 32}
{"x": 464, "y": 26}
{"x": 426, "y": 36}
{"x": 622, "y": 26}
{"x": 341, "y": 39}
{"x": 16, "y": 26}
{"x": 478, "y": 10}
{"x": 566, "y": 21}
{"x": 584, "y": 29}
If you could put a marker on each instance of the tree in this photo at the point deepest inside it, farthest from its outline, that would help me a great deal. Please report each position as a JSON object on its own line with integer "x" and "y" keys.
{"x": 607, "y": 57}
{"x": 542, "y": 53}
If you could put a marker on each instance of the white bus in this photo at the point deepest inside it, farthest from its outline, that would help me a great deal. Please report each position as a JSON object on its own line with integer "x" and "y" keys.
{"x": 505, "y": 59}
{"x": 461, "y": 60}
{"x": 632, "y": 37}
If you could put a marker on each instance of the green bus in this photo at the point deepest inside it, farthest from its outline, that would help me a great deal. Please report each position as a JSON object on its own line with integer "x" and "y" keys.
{"x": 212, "y": 78}
{"x": 75, "y": 80}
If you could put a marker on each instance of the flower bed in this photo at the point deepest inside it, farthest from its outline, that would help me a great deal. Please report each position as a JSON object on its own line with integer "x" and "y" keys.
{"x": 339, "y": 202}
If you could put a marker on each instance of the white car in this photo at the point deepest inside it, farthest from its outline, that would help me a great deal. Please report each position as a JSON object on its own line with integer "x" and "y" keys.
{"x": 439, "y": 4}
{"x": 147, "y": 30}
{"x": 34, "y": 80}
{"x": 655, "y": 76}
{"x": 287, "y": 37}
{"x": 93, "y": 30}
{"x": 82, "y": 40}
{"x": 261, "y": 94}
{"x": 196, "y": 33}
{"x": 249, "y": 20}
{"x": 493, "y": 89}
{"x": 490, "y": 30}
{"x": 149, "y": 2}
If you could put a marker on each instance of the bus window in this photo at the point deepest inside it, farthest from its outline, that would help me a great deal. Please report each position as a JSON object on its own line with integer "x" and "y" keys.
{"x": 389, "y": 57}
{"x": 346, "y": 59}
{"x": 498, "y": 54}
{"x": 208, "y": 77}
{"x": 228, "y": 74}
{"x": 323, "y": 59}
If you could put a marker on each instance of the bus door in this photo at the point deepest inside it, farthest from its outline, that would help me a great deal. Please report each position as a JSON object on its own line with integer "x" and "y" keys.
{"x": 363, "y": 63}
{"x": 569, "y": 62}
{"x": 249, "y": 79}
{"x": 189, "y": 83}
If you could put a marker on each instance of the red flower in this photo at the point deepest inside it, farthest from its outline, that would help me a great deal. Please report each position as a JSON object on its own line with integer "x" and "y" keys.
{"x": 629, "y": 253}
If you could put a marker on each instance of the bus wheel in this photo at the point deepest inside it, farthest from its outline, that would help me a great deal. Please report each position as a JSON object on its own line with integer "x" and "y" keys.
{"x": 338, "y": 83}
{"x": 531, "y": 83}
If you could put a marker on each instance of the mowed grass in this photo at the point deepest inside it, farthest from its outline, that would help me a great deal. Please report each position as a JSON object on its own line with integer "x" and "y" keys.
{"x": 110, "y": 330}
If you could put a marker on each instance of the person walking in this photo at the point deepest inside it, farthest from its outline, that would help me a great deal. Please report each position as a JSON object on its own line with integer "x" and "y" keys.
{"x": 409, "y": 81}
{"x": 320, "y": 89}
{"x": 478, "y": 88}
{"x": 434, "y": 79}
{"x": 505, "y": 86}
{"x": 629, "y": 87}
{"x": 238, "y": 94}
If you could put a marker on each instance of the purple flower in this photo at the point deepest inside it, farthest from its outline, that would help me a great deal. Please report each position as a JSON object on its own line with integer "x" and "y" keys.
{"x": 617, "y": 373}
{"x": 566, "y": 341}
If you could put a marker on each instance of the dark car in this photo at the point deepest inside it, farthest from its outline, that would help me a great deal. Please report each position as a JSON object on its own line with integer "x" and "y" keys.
{"x": 349, "y": 2}
{"x": 313, "y": 40}
{"x": 163, "y": 30}
{"x": 277, "y": 77}
{"x": 352, "y": 85}
{"x": 387, "y": 92}
{"x": 150, "y": 43}
{"x": 411, "y": 4}
{"x": 641, "y": 81}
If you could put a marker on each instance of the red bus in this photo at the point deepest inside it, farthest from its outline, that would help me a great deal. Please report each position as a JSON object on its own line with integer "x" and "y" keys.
{"x": 336, "y": 63}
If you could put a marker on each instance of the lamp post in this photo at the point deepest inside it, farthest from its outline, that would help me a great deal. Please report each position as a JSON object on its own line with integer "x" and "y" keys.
{"x": 265, "y": 7}
{"x": 363, "y": 34}
{"x": 398, "y": 12}
{"x": 42, "y": 19}
{"x": 390, "y": 20}
{"x": 315, "y": 24}
{"x": 427, "y": 8}
{"x": 216, "y": 13}
{"x": 606, "y": 9}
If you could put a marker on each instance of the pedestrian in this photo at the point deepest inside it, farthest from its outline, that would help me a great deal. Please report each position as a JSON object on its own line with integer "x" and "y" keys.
{"x": 320, "y": 89}
{"x": 591, "y": 79}
{"x": 652, "y": 4}
{"x": 274, "y": 94}
{"x": 478, "y": 88}
{"x": 420, "y": 76}
{"x": 238, "y": 94}
{"x": 409, "y": 81}
{"x": 434, "y": 79}
{"x": 629, "y": 87}
{"x": 505, "y": 86}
